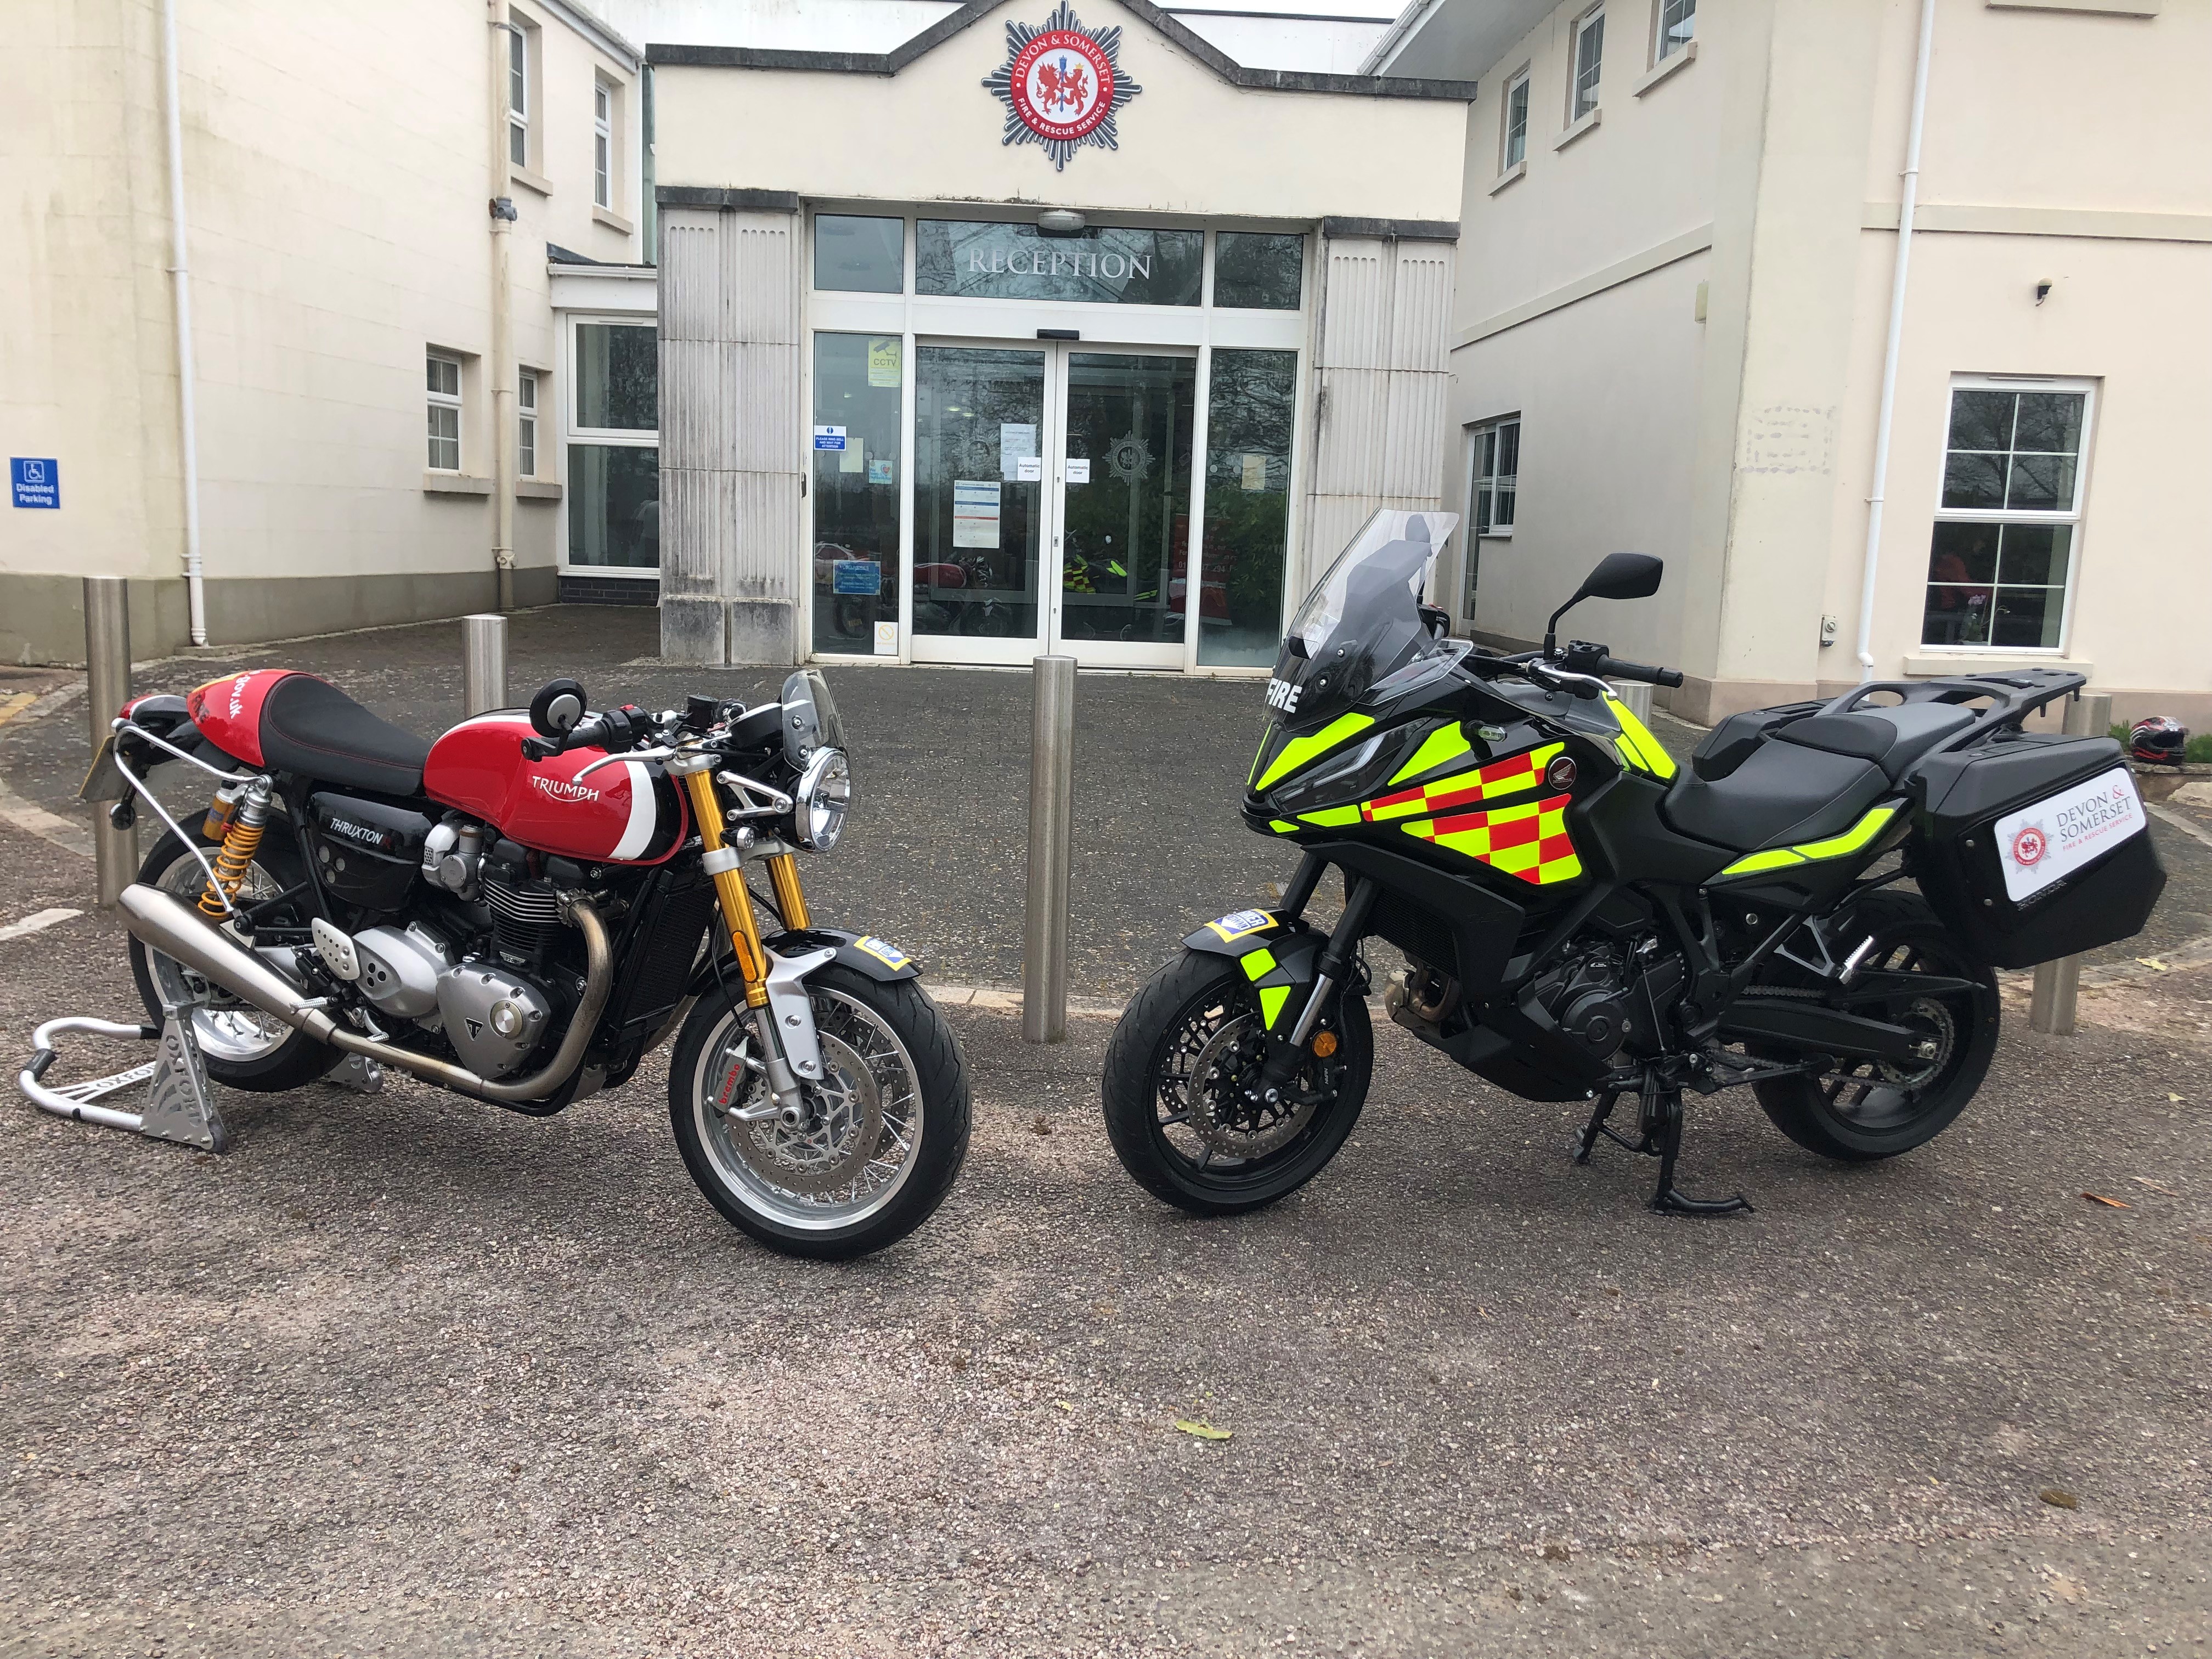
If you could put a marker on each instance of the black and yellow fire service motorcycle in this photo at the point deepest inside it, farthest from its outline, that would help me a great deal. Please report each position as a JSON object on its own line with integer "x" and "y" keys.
{"x": 1814, "y": 906}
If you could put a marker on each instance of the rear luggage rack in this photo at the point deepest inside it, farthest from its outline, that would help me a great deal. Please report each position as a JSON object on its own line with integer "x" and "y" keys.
{"x": 2015, "y": 696}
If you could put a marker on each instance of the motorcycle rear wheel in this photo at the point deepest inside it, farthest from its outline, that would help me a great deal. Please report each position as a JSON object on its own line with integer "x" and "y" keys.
{"x": 1195, "y": 1026}
{"x": 244, "y": 1049}
{"x": 1876, "y": 1112}
{"x": 891, "y": 1130}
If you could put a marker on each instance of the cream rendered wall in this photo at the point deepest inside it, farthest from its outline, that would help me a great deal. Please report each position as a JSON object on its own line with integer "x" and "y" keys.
{"x": 1190, "y": 143}
{"x": 1608, "y": 385}
{"x": 336, "y": 172}
{"x": 2020, "y": 139}
{"x": 84, "y": 312}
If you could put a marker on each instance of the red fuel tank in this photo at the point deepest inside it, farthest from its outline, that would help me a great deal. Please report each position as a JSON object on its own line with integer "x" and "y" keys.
{"x": 626, "y": 813}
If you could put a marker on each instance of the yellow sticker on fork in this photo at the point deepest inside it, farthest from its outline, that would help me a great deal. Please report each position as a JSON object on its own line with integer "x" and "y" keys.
{"x": 883, "y": 951}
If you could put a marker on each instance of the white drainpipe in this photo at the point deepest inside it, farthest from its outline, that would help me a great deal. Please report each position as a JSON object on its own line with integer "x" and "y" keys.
{"x": 180, "y": 280}
{"x": 1889, "y": 355}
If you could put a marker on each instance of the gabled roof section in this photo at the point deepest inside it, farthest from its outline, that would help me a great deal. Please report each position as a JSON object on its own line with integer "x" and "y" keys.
{"x": 891, "y": 62}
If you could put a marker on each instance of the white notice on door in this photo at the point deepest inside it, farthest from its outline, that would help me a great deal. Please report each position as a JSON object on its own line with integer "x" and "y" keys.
{"x": 975, "y": 512}
{"x": 1079, "y": 469}
{"x": 1015, "y": 440}
{"x": 2054, "y": 837}
{"x": 1030, "y": 469}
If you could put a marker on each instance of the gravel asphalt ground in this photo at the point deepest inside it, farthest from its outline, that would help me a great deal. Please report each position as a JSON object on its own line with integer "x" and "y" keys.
{"x": 406, "y": 1375}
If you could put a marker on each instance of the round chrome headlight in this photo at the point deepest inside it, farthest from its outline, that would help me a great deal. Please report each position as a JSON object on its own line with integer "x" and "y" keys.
{"x": 825, "y": 790}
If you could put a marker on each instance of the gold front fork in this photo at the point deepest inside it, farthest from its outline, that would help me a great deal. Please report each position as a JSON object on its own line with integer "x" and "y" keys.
{"x": 721, "y": 862}
{"x": 790, "y": 902}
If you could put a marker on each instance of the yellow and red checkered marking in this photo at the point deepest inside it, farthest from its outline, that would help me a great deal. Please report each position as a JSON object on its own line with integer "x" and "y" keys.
{"x": 1528, "y": 840}
{"x": 1510, "y": 776}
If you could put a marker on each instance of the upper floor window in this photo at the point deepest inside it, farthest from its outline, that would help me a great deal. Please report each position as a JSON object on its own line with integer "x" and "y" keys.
{"x": 517, "y": 95}
{"x": 1589, "y": 57}
{"x": 2002, "y": 559}
{"x": 444, "y": 380}
{"x": 1515, "y": 147}
{"x": 603, "y": 145}
{"x": 1677, "y": 26}
{"x": 1495, "y": 480}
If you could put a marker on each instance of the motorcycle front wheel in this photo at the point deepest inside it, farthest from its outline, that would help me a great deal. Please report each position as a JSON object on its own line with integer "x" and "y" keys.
{"x": 1176, "y": 1111}
{"x": 889, "y": 1121}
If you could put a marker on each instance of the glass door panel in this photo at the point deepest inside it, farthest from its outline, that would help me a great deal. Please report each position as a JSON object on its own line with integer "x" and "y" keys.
{"x": 1124, "y": 507}
{"x": 978, "y": 497}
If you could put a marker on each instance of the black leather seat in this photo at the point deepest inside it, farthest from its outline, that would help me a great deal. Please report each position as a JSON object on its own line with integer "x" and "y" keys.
{"x": 310, "y": 727}
{"x": 1892, "y": 737}
{"x": 1782, "y": 794}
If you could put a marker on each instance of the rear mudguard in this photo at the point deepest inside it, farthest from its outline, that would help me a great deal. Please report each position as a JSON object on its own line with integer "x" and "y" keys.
{"x": 1280, "y": 959}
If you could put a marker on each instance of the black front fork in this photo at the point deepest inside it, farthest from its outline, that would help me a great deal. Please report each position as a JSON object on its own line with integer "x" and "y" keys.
{"x": 1286, "y": 1051}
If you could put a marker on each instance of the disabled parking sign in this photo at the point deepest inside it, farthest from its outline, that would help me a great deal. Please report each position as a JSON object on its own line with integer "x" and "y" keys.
{"x": 36, "y": 479}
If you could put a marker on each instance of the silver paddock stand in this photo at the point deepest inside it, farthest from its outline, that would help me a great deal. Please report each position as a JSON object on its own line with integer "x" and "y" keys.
{"x": 180, "y": 1106}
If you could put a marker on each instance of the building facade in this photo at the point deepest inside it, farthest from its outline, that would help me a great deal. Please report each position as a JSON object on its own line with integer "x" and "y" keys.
{"x": 1086, "y": 338}
{"x": 1672, "y": 332}
{"x": 362, "y": 374}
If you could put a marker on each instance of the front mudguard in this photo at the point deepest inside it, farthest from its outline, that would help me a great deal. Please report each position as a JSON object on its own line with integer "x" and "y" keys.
{"x": 863, "y": 953}
{"x": 1279, "y": 959}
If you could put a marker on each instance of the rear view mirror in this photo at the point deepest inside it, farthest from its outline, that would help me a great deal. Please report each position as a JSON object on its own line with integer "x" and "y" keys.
{"x": 555, "y": 709}
{"x": 1618, "y": 576}
{"x": 1623, "y": 576}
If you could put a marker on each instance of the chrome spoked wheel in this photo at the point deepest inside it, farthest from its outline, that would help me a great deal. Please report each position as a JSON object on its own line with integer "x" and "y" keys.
{"x": 861, "y": 1144}
{"x": 227, "y": 1029}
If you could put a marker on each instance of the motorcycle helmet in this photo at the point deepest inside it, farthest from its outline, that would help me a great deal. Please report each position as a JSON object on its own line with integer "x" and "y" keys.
{"x": 2158, "y": 739}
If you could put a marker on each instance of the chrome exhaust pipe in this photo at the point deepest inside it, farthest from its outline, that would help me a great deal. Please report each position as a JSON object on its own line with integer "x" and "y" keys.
{"x": 164, "y": 922}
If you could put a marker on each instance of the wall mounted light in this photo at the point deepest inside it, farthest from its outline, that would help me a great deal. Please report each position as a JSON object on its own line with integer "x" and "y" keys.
{"x": 1059, "y": 222}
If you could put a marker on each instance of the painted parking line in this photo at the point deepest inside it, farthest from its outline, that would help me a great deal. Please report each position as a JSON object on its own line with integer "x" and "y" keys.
{"x": 36, "y": 922}
{"x": 12, "y": 706}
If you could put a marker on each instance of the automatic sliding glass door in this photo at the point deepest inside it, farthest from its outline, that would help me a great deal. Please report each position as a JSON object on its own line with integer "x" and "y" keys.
{"x": 1052, "y": 504}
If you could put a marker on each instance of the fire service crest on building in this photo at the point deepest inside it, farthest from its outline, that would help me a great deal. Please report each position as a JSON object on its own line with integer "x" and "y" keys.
{"x": 1062, "y": 86}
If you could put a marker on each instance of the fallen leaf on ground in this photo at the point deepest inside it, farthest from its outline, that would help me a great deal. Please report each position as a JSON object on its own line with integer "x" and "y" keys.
{"x": 2145, "y": 1181}
{"x": 2058, "y": 1499}
{"x": 2099, "y": 1198}
{"x": 1203, "y": 1430}
{"x": 2152, "y": 961}
{"x": 2176, "y": 1099}
{"x": 1063, "y": 1405}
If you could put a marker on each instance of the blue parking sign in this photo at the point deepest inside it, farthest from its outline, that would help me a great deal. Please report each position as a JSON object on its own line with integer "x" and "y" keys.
{"x": 37, "y": 480}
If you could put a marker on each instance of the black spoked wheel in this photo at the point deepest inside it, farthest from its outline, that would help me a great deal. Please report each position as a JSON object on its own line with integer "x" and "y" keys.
{"x": 1877, "y": 1109}
{"x": 1176, "y": 1110}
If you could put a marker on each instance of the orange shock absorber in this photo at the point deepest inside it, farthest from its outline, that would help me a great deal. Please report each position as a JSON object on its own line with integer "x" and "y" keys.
{"x": 241, "y": 840}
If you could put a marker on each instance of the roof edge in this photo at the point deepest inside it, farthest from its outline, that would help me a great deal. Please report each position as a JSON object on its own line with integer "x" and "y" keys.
{"x": 1393, "y": 230}
{"x": 596, "y": 30}
{"x": 891, "y": 62}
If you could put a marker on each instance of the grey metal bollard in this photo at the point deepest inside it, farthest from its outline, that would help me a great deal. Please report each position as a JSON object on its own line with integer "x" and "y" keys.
{"x": 483, "y": 664}
{"x": 107, "y": 679}
{"x": 1636, "y": 694}
{"x": 1052, "y": 801}
{"x": 2051, "y": 1006}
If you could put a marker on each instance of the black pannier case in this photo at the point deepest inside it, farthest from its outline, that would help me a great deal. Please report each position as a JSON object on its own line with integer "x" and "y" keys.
{"x": 1964, "y": 796}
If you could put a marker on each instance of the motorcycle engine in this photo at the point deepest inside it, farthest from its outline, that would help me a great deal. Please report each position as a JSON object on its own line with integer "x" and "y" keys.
{"x": 493, "y": 1008}
{"x": 1588, "y": 998}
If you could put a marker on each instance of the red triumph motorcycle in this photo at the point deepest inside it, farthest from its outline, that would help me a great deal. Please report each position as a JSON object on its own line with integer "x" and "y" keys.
{"x": 521, "y": 911}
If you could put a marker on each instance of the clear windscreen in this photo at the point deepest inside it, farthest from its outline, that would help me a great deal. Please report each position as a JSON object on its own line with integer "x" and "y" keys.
{"x": 1363, "y": 622}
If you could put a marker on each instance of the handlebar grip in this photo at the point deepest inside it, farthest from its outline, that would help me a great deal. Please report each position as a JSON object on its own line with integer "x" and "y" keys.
{"x": 1614, "y": 668}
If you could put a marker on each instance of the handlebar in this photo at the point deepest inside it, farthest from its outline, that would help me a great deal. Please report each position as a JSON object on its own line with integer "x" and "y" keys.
{"x": 1613, "y": 668}
{"x": 616, "y": 729}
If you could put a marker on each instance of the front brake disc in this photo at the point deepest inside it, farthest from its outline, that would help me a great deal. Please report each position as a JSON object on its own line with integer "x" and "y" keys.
{"x": 1220, "y": 1116}
{"x": 832, "y": 1152}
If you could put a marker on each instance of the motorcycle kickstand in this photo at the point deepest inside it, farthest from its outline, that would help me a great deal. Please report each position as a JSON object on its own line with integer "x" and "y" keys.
{"x": 1597, "y": 1126}
{"x": 1662, "y": 1119}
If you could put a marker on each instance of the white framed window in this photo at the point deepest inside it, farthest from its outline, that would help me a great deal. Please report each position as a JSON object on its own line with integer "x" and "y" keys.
{"x": 443, "y": 380}
{"x": 526, "y": 416}
{"x": 1674, "y": 25}
{"x": 1588, "y": 61}
{"x": 1495, "y": 481}
{"x": 1513, "y": 146}
{"x": 603, "y": 145}
{"x": 2007, "y": 535}
{"x": 610, "y": 508}
{"x": 518, "y": 94}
